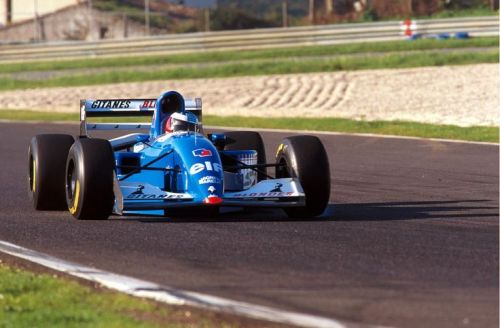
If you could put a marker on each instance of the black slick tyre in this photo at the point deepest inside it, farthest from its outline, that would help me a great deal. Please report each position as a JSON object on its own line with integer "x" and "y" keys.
{"x": 89, "y": 179}
{"x": 248, "y": 140}
{"x": 47, "y": 155}
{"x": 305, "y": 158}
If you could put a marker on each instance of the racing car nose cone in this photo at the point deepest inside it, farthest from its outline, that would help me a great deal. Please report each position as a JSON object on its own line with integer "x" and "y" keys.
{"x": 212, "y": 200}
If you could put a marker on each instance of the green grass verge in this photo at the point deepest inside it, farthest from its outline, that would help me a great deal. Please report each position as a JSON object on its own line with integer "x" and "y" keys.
{"x": 223, "y": 56}
{"x": 42, "y": 300}
{"x": 397, "y": 128}
{"x": 260, "y": 68}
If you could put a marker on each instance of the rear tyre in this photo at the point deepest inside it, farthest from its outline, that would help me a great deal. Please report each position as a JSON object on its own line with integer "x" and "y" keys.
{"x": 248, "y": 140}
{"x": 305, "y": 158}
{"x": 47, "y": 155}
{"x": 89, "y": 179}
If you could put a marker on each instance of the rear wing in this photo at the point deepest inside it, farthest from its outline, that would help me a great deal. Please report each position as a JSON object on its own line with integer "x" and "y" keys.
{"x": 125, "y": 108}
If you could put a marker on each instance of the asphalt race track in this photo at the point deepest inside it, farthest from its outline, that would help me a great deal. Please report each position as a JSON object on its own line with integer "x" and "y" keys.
{"x": 412, "y": 242}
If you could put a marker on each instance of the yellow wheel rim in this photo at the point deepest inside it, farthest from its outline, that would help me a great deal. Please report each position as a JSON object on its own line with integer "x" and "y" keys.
{"x": 33, "y": 180}
{"x": 73, "y": 208}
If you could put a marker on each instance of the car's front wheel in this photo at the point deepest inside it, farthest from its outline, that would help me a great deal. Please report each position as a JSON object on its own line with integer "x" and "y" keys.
{"x": 305, "y": 158}
{"x": 89, "y": 179}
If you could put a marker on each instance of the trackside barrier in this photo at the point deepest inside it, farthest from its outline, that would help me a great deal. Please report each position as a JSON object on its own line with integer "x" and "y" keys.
{"x": 246, "y": 39}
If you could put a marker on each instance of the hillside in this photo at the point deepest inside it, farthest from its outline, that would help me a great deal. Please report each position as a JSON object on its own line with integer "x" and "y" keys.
{"x": 164, "y": 16}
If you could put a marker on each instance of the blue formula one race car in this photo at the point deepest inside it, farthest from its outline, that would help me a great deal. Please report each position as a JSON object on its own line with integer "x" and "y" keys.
{"x": 173, "y": 168}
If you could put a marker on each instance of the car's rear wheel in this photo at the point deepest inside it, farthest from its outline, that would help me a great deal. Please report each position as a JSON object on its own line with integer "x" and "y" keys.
{"x": 248, "y": 140}
{"x": 47, "y": 155}
{"x": 305, "y": 158}
{"x": 89, "y": 179}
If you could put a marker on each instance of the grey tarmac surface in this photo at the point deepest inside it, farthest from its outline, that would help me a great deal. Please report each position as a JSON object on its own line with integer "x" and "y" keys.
{"x": 412, "y": 242}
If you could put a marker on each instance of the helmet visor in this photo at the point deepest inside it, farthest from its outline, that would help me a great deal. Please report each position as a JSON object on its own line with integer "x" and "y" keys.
{"x": 178, "y": 125}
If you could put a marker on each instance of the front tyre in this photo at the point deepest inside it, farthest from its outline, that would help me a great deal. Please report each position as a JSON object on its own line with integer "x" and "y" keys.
{"x": 47, "y": 155}
{"x": 89, "y": 179}
{"x": 305, "y": 158}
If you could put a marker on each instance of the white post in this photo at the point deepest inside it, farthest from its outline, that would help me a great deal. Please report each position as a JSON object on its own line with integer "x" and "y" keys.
{"x": 146, "y": 15}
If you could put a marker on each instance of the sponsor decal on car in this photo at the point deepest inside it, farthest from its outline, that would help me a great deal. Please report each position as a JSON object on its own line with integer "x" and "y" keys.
{"x": 155, "y": 196}
{"x": 138, "y": 191}
{"x": 263, "y": 194}
{"x": 139, "y": 194}
{"x": 209, "y": 166}
{"x": 111, "y": 104}
{"x": 209, "y": 179}
{"x": 202, "y": 152}
{"x": 277, "y": 187}
{"x": 148, "y": 104}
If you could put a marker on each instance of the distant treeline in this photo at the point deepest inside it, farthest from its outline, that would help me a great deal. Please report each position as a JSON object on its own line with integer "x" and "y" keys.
{"x": 172, "y": 16}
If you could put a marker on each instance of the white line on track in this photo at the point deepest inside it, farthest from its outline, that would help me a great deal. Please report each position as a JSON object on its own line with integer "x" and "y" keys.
{"x": 169, "y": 295}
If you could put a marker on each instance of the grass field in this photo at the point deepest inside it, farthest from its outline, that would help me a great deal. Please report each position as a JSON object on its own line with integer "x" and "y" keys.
{"x": 258, "y": 68}
{"x": 228, "y": 56}
{"x": 398, "y": 128}
{"x": 44, "y": 300}
{"x": 395, "y": 54}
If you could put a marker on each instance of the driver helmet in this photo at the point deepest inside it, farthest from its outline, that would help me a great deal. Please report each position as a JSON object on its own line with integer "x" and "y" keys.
{"x": 181, "y": 122}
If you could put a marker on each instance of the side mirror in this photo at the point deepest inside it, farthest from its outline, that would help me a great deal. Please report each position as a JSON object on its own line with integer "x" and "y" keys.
{"x": 218, "y": 139}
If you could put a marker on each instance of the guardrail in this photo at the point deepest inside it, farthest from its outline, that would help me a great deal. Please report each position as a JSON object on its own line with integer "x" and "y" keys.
{"x": 246, "y": 39}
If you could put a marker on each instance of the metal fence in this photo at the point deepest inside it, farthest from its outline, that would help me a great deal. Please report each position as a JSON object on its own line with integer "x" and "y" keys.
{"x": 247, "y": 39}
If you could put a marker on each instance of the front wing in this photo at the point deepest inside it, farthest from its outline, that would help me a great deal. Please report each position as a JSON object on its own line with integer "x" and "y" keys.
{"x": 284, "y": 192}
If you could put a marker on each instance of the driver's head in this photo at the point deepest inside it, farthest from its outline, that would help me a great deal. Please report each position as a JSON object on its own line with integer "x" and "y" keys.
{"x": 181, "y": 122}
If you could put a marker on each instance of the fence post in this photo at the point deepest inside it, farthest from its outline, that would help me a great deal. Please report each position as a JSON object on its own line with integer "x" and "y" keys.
{"x": 284, "y": 12}
{"x": 35, "y": 22}
{"x": 9, "y": 12}
{"x": 90, "y": 21}
{"x": 207, "y": 19}
{"x": 494, "y": 5}
{"x": 312, "y": 14}
{"x": 125, "y": 25}
{"x": 146, "y": 15}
